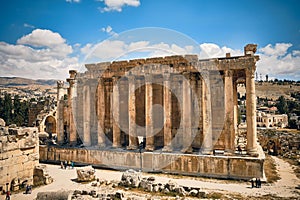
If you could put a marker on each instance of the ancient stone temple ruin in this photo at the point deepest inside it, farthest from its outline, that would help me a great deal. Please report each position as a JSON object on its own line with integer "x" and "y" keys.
{"x": 179, "y": 111}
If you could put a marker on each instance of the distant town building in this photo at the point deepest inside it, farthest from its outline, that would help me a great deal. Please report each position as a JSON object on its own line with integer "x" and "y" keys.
{"x": 269, "y": 120}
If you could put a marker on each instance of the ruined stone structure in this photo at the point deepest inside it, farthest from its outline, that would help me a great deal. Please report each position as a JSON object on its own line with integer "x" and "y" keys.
{"x": 177, "y": 104}
{"x": 19, "y": 155}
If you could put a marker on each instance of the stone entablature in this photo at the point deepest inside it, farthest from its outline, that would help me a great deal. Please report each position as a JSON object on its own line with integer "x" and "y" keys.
{"x": 111, "y": 104}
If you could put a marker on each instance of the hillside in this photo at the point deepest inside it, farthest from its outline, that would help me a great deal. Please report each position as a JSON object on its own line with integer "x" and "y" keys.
{"x": 272, "y": 91}
{"x": 18, "y": 81}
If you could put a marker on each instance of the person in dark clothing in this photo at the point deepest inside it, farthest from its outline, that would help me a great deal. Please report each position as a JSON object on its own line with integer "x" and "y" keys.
{"x": 252, "y": 183}
{"x": 259, "y": 183}
{"x": 256, "y": 182}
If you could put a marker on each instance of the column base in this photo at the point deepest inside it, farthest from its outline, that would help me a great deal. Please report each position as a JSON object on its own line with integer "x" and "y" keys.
{"x": 101, "y": 146}
{"x": 167, "y": 149}
{"x": 131, "y": 147}
{"x": 187, "y": 150}
{"x": 207, "y": 151}
{"x": 228, "y": 152}
{"x": 253, "y": 152}
{"x": 87, "y": 144}
{"x": 149, "y": 148}
{"x": 116, "y": 146}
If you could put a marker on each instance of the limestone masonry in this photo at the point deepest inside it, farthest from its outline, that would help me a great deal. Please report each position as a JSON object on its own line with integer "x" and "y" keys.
{"x": 19, "y": 151}
{"x": 183, "y": 110}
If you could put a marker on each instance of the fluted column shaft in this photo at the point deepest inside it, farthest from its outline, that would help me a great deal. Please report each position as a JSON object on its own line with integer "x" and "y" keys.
{"x": 186, "y": 113}
{"x": 86, "y": 116}
{"x": 167, "y": 113}
{"x": 100, "y": 113}
{"x": 116, "y": 114}
{"x": 71, "y": 95}
{"x": 149, "y": 113}
{"x": 207, "y": 145}
{"x": 251, "y": 113}
{"x": 132, "y": 113}
{"x": 60, "y": 112}
{"x": 229, "y": 112}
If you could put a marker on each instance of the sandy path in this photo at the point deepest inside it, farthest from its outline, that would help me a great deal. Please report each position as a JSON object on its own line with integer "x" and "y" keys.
{"x": 285, "y": 187}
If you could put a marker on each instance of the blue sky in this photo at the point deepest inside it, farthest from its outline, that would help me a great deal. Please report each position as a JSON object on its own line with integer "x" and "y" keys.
{"x": 45, "y": 38}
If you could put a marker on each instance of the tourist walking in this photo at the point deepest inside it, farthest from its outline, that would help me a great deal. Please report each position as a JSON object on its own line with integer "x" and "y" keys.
{"x": 72, "y": 164}
{"x": 66, "y": 164}
{"x": 7, "y": 195}
{"x": 69, "y": 164}
{"x": 62, "y": 165}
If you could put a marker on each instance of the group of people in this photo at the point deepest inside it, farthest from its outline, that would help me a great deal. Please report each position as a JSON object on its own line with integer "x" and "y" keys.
{"x": 256, "y": 183}
{"x": 66, "y": 164}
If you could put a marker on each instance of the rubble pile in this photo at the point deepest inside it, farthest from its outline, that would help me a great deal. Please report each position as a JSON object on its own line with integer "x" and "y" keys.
{"x": 85, "y": 174}
{"x": 133, "y": 179}
{"x": 281, "y": 143}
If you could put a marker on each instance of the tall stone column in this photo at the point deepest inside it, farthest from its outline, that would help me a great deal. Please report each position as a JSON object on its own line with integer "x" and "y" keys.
{"x": 235, "y": 108}
{"x": 251, "y": 113}
{"x": 132, "y": 113}
{"x": 167, "y": 113}
{"x": 229, "y": 113}
{"x": 207, "y": 145}
{"x": 86, "y": 115}
{"x": 116, "y": 114}
{"x": 101, "y": 113}
{"x": 60, "y": 112}
{"x": 149, "y": 113}
{"x": 71, "y": 95}
{"x": 186, "y": 113}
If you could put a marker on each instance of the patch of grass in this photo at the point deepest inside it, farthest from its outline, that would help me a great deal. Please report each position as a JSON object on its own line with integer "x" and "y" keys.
{"x": 270, "y": 170}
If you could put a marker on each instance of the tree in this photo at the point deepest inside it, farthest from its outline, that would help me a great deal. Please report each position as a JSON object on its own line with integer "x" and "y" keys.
{"x": 6, "y": 109}
{"x": 282, "y": 105}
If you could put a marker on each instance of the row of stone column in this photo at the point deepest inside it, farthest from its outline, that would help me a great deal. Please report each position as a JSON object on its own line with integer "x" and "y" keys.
{"x": 167, "y": 101}
{"x": 230, "y": 99}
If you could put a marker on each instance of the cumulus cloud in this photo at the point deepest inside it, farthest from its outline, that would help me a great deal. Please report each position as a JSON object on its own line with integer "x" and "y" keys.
{"x": 40, "y": 54}
{"x": 210, "y": 50}
{"x": 109, "y": 50}
{"x": 278, "y": 62}
{"x": 116, "y": 5}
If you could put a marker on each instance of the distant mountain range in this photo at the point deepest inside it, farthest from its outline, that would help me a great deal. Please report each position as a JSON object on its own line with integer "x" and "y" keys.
{"x": 18, "y": 81}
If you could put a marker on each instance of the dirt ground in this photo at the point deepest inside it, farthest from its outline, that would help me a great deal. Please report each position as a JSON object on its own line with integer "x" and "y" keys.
{"x": 284, "y": 188}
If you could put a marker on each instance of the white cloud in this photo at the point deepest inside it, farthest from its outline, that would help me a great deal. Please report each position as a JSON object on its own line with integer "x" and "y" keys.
{"x": 210, "y": 50}
{"x": 109, "y": 30}
{"x": 276, "y": 61}
{"x": 279, "y": 49}
{"x": 40, "y": 54}
{"x": 28, "y": 25}
{"x": 116, "y": 5}
{"x": 73, "y": 1}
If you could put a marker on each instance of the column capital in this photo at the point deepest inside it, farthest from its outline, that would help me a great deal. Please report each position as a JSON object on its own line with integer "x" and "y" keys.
{"x": 148, "y": 78}
{"x": 115, "y": 79}
{"x": 131, "y": 78}
{"x": 72, "y": 82}
{"x": 250, "y": 72}
{"x": 60, "y": 84}
{"x": 73, "y": 73}
{"x": 205, "y": 74}
{"x": 228, "y": 73}
{"x": 166, "y": 76}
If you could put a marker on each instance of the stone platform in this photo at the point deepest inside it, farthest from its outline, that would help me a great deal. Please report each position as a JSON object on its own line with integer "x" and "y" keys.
{"x": 239, "y": 167}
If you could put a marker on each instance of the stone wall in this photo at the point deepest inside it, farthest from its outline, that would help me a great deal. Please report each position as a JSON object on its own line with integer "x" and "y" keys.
{"x": 219, "y": 166}
{"x": 19, "y": 154}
